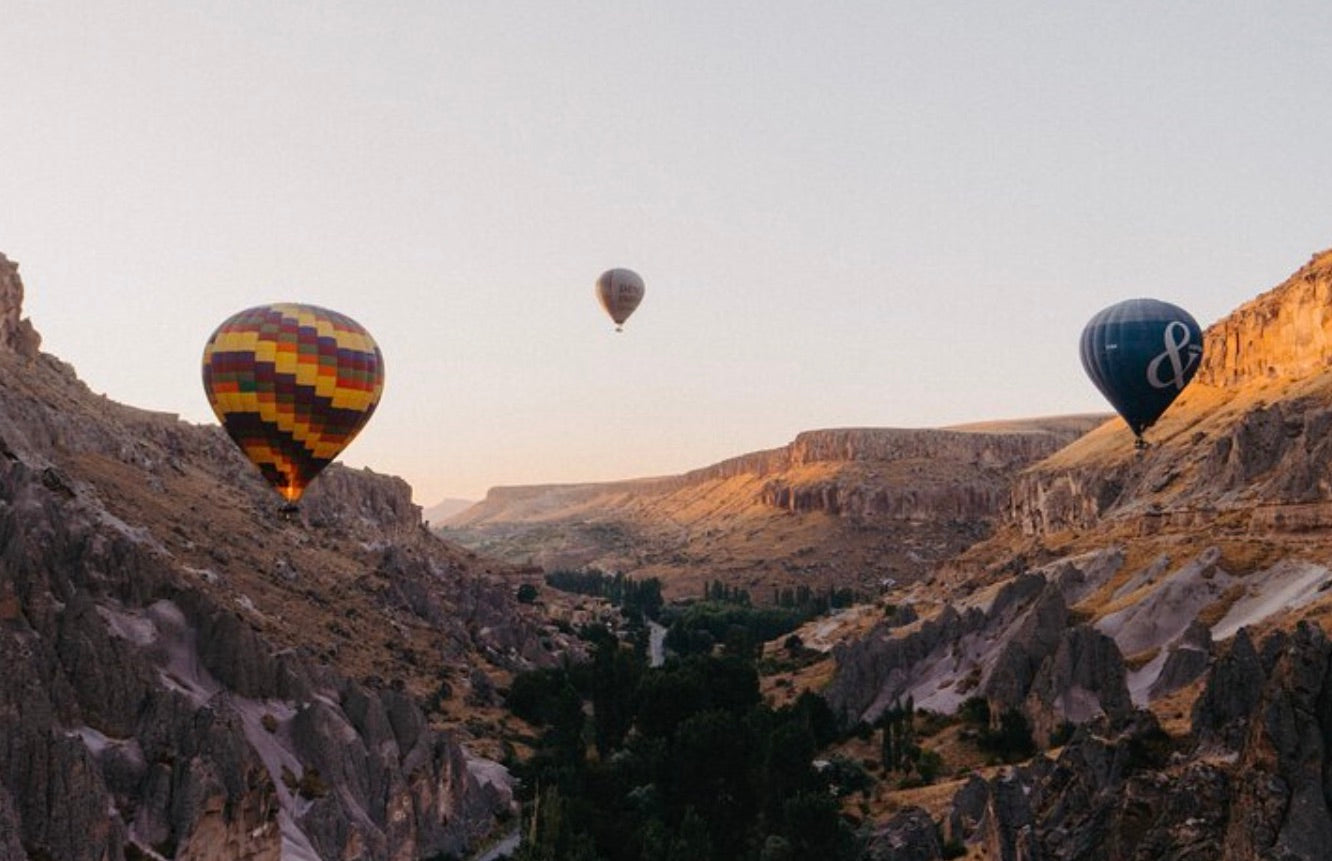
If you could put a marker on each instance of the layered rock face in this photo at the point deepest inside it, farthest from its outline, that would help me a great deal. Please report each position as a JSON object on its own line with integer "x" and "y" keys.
{"x": 1285, "y": 333}
{"x": 835, "y": 508}
{"x": 1247, "y": 441}
{"x": 1209, "y": 603}
{"x": 931, "y": 457}
{"x": 188, "y": 675}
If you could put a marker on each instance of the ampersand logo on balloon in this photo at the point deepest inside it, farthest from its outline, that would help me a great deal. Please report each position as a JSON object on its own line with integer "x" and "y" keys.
{"x": 1177, "y": 337}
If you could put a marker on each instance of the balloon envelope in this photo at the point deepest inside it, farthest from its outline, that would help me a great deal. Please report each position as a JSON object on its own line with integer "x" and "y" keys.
{"x": 620, "y": 291}
{"x": 1141, "y": 353}
{"x": 292, "y": 385}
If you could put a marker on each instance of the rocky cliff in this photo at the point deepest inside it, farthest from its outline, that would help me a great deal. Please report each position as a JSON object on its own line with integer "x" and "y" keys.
{"x": 1284, "y": 334}
{"x": 1245, "y": 446}
{"x": 1176, "y": 618}
{"x": 191, "y": 676}
{"x": 16, "y": 332}
{"x": 846, "y": 507}
{"x": 1247, "y": 782}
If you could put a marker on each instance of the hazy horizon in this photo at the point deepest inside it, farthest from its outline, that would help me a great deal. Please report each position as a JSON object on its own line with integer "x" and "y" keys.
{"x": 863, "y": 216}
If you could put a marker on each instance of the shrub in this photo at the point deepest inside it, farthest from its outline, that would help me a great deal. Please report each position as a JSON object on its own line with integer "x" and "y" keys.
{"x": 1012, "y": 742}
{"x": 928, "y": 765}
{"x": 975, "y": 711}
{"x": 312, "y": 785}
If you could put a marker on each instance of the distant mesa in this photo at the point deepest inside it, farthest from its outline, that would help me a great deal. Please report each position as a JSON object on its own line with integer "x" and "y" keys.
{"x": 839, "y": 508}
{"x": 446, "y": 508}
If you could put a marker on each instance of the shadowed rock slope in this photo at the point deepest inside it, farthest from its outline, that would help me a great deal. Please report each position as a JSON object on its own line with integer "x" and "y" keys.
{"x": 844, "y": 508}
{"x": 189, "y": 675}
{"x": 1169, "y": 605}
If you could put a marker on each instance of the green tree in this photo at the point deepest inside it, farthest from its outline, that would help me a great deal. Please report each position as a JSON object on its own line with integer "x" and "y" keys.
{"x": 711, "y": 760}
{"x": 787, "y": 767}
{"x": 815, "y": 829}
{"x": 616, "y": 673}
{"x": 1012, "y": 741}
{"x": 692, "y": 843}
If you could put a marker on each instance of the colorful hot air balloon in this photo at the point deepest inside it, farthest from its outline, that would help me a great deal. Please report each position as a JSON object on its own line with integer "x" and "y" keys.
{"x": 292, "y": 385}
{"x": 1141, "y": 353}
{"x": 620, "y": 291}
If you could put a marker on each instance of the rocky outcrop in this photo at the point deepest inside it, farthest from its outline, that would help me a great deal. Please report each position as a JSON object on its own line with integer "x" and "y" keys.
{"x": 1286, "y": 333}
{"x": 361, "y": 502}
{"x": 881, "y": 669}
{"x": 1249, "y": 439}
{"x": 983, "y": 454}
{"x": 1220, "y": 527}
{"x": 1083, "y": 680}
{"x": 1027, "y": 643}
{"x": 16, "y": 332}
{"x": 1103, "y": 797}
{"x": 1280, "y": 806}
{"x": 981, "y": 498}
{"x": 1018, "y": 652}
{"x": 1251, "y": 785}
{"x": 1235, "y": 684}
{"x": 158, "y": 713}
{"x": 1187, "y": 658}
{"x": 869, "y": 505}
{"x": 1269, "y": 467}
{"x": 1008, "y": 828}
{"x": 911, "y": 835}
{"x": 189, "y": 675}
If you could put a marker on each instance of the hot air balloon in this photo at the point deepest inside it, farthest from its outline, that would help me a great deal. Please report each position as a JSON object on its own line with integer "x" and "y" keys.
{"x": 292, "y": 385}
{"x": 1141, "y": 353}
{"x": 620, "y": 291}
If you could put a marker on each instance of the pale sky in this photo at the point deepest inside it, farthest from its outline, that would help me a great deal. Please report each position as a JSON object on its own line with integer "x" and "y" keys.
{"x": 846, "y": 213}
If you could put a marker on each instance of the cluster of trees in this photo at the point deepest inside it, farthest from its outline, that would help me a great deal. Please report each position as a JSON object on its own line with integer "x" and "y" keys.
{"x": 814, "y": 603}
{"x": 722, "y": 594}
{"x": 726, "y": 617}
{"x": 801, "y": 598}
{"x": 900, "y": 750}
{"x": 740, "y": 629}
{"x": 635, "y": 598}
{"x": 679, "y": 762}
{"x": 1010, "y": 741}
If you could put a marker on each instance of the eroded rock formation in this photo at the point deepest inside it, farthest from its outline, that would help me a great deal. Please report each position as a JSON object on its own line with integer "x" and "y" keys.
{"x": 1248, "y": 440}
{"x": 844, "y": 508}
{"x": 188, "y": 674}
{"x": 16, "y": 332}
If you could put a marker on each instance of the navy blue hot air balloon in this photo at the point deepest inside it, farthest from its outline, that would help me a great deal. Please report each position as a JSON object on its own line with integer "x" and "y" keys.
{"x": 1141, "y": 353}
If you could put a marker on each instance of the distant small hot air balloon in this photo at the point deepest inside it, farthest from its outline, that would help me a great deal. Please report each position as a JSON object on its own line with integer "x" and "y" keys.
{"x": 292, "y": 385}
{"x": 1141, "y": 353}
{"x": 620, "y": 291}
